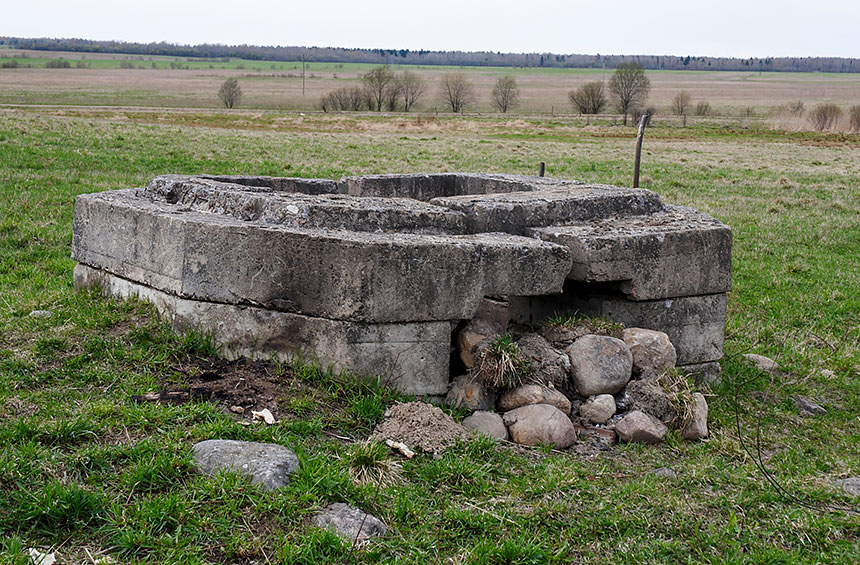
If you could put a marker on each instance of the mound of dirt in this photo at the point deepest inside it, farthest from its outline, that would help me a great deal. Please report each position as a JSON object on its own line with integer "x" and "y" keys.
{"x": 420, "y": 426}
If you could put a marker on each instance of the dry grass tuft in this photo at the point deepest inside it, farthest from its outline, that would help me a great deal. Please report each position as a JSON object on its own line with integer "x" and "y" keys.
{"x": 501, "y": 364}
{"x": 679, "y": 391}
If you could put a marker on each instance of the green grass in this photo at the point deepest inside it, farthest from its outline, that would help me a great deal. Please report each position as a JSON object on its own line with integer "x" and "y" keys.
{"x": 83, "y": 466}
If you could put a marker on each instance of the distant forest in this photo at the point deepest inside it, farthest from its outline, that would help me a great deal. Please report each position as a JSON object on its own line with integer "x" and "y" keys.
{"x": 473, "y": 58}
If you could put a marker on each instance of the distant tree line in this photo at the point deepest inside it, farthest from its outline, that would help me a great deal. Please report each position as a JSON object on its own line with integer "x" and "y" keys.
{"x": 409, "y": 57}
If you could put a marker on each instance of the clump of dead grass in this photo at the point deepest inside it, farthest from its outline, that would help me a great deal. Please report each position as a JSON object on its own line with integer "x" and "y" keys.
{"x": 501, "y": 364}
{"x": 679, "y": 392}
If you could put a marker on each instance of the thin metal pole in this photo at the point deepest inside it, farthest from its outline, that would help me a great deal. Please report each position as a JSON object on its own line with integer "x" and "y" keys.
{"x": 643, "y": 121}
{"x": 303, "y": 75}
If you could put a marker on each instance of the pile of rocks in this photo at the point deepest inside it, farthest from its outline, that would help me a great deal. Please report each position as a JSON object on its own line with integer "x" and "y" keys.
{"x": 615, "y": 384}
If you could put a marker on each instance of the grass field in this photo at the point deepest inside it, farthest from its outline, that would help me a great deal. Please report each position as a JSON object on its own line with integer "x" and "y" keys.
{"x": 278, "y": 85}
{"x": 85, "y": 469}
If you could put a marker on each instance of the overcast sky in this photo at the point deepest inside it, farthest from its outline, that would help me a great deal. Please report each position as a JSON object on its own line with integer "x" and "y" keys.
{"x": 733, "y": 28}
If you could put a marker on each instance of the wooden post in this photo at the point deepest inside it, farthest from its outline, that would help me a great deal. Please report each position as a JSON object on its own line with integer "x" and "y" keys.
{"x": 303, "y": 75}
{"x": 542, "y": 169}
{"x": 643, "y": 121}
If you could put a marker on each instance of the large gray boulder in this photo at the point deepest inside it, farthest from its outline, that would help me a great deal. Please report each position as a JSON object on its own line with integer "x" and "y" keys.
{"x": 639, "y": 427}
{"x": 599, "y": 364}
{"x": 349, "y": 522}
{"x": 651, "y": 349}
{"x": 533, "y": 394}
{"x": 540, "y": 424}
{"x": 266, "y": 464}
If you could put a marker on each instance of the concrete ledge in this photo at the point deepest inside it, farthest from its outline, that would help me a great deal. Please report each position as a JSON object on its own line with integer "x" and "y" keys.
{"x": 516, "y": 212}
{"x": 411, "y": 357}
{"x": 677, "y": 252}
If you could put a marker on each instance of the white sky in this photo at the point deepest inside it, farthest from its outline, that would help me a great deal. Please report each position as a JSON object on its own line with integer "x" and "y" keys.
{"x": 732, "y": 28}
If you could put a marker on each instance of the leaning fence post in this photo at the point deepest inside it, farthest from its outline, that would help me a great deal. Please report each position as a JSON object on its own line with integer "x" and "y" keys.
{"x": 643, "y": 121}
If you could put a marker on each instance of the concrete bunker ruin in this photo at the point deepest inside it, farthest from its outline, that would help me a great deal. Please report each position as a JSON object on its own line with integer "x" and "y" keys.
{"x": 375, "y": 274}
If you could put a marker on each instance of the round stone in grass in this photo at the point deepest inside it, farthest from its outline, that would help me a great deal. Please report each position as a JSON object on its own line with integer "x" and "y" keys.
{"x": 266, "y": 464}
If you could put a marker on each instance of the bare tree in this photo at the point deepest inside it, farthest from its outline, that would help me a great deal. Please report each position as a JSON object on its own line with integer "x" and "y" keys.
{"x": 230, "y": 93}
{"x": 392, "y": 95}
{"x": 681, "y": 105}
{"x": 590, "y": 98}
{"x": 506, "y": 93}
{"x": 377, "y": 80}
{"x": 457, "y": 91}
{"x": 630, "y": 87}
{"x": 411, "y": 87}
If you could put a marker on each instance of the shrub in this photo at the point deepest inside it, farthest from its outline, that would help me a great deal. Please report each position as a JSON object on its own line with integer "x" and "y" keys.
{"x": 825, "y": 116}
{"x": 589, "y": 98}
{"x": 230, "y": 93}
{"x": 703, "y": 108}
{"x": 58, "y": 64}
{"x": 636, "y": 113}
{"x": 13, "y": 64}
{"x": 797, "y": 107}
{"x": 681, "y": 105}
{"x": 348, "y": 98}
{"x": 854, "y": 118}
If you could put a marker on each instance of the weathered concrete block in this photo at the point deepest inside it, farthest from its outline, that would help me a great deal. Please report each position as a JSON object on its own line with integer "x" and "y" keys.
{"x": 694, "y": 324}
{"x": 412, "y": 357}
{"x": 296, "y": 209}
{"x": 677, "y": 252}
{"x": 370, "y": 273}
{"x": 516, "y": 212}
{"x": 344, "y": 275}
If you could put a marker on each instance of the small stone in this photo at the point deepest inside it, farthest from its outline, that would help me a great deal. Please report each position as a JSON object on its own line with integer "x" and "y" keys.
{"x": 598, "y": 409}
{"x": 697, "y": 427}
{"x": 650, "y": 349}
{"x": 465, "y": 391}
{"x": 600, "y": 364}
{"x": 808, "y": 408}
{"x": 237, "y": 409}
{"x": 487, "y": 424}
{"x": 533, "y": 394}
{"x": 349, "y": 522}
{"x": 266, "y": 464}
{"x": 762, "y": 363}
{"x": 467, "y": 340}
{"x": 850, "y": 485}
{"x": 664, "y": 473}
{"x": 640, "y": 427}
{"x": 491, "y": 319}
{"x": 41, "y": 314}
{"x": 540, "y": 424}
